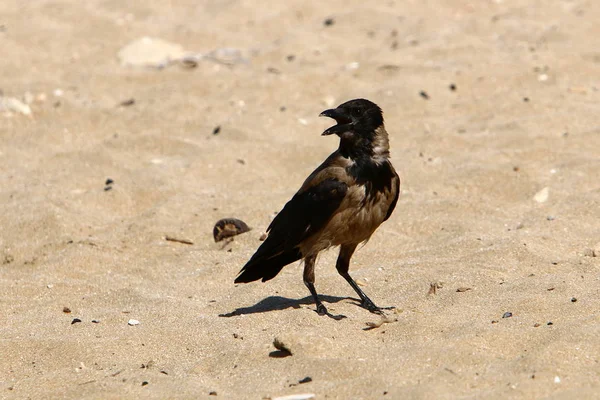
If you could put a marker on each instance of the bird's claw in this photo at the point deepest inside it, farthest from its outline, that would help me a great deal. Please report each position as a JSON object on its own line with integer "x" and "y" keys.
{"x": 321, "y": 310}
{"x": 369, "y": 305}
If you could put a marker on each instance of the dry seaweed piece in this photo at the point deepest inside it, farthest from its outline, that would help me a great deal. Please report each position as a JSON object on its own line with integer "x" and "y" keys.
{"x": 228, "y": 227}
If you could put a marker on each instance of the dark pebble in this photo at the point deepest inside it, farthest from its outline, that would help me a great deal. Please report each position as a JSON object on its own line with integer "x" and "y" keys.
{"x": 329, "y": 22}
{"x": 573, "y": 300}
{"x": 452, "y": 87}
{"x": 213, "y": 393}
{"x": 424, "y": 94}
{"x": 144, "y": 383}
{"x": 95, "y": 321}
{"x": 305, "y": 380}
{"x": 291, "y": 57}
{"x": 109, "y": 181}
{"x": 550, "y": 323}
{"x": 526, "y": 99}
{"x": 75, "y": 320}
{"x": 127, "y": 103}
{"x": 507, "y": 315}
{"x": 66, "y": 310}
{"x": 107, "y": 188}
{"x": 217, "y": 130}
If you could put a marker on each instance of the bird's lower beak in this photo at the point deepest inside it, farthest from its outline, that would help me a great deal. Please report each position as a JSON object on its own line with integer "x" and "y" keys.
{"x": 343, "y": 121}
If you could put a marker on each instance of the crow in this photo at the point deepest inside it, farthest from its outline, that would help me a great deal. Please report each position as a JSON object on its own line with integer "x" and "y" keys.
{"x": 340, "y": 204}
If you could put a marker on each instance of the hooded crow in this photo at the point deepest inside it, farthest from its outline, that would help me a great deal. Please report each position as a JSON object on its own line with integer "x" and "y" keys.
{"x": 340, "y": 204}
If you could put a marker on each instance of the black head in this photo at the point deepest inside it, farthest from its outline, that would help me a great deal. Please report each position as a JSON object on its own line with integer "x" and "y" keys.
{"x": 355, "y": 117}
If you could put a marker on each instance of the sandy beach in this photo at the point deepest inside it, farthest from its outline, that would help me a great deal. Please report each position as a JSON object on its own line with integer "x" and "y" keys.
{"x": 492, "y": 257}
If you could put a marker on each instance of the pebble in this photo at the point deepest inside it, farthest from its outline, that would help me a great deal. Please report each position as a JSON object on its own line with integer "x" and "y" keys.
{"x": 589, "y": 252}
{"x": 66, "y": 310}
{"x": 329, "y": 22}
{"x": 302, "y": 396}
{"x": 133, "y": 322}
{"x": 150, "y": 52}
{"x": 282, "y": 346}
{"x": 507, "y": 315}
{"x": 75, "y": 320}
{"x": 353, "y": 65}
{"x": 542, "y": 195}
{"x": 95, "y": 321}
{"x": 573, "y": 300}
{"x": 556, "y": 379}
{"x": 11, "y": 104}
{"x": 424, "y": 94}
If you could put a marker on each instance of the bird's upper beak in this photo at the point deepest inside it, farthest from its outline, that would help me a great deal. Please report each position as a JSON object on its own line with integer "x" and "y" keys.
{"x": 341, "y": 117}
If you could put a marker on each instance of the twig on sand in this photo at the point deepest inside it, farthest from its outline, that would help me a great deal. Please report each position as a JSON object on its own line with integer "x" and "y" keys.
{"x": 174, "y": 239}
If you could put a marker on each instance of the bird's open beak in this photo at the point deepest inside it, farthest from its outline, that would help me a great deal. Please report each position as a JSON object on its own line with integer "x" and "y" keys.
{"x": 342, "y": 119}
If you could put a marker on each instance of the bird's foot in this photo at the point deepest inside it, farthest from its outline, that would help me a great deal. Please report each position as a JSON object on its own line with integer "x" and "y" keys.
{"x": 321, "y": 310}
{"x": 369, "y": 305}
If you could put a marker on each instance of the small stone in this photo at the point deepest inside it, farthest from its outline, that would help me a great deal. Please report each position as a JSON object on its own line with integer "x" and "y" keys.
{"x": 550, "y": 323}
{"x": 133, "y": 322}
{"x": 329, "y": 22}
{"x": 573, "y": 300}
{"x": 463, "y": 289}
{"x": 424, "y": 94}
{"x": 144, "y": 383}
{"x": 550, "y": 218}
{"x": 95, "y": 321}
{"x": 216, "y": 130}
{"x": 263, "y": 237}
{"x": 542, "y": 195}
{"x": 507, "y": 315}
{"x": 305, "y": 380}
{"x": 75, "y": 320}
{"x": 556, "y": 379}
{"x": 282, "y": 346}
{"x": 536, "y": 325}
{"x": 543, "y": 77}
{"x": 109, "y": 181}
{"x": 302, "y": 396}
{"x": 353, "y": 65}
{"x": 150, "y": 52}
{"x": 10, "y": 104}
{"x": 127, "y": 103}
{"x": 66, "y": 310}
{"x": 452, "y": 87}
{"x": 213, "y": 393}
{"x": 361, "y": 282}
{"x": 589, "y": 253}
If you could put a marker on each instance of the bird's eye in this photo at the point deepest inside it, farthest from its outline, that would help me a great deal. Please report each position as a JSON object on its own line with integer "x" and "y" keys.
{"x": 357, "y": 112}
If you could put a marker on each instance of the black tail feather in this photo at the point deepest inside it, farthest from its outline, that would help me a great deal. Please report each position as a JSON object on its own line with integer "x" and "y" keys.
{"x": 266, "y": 268}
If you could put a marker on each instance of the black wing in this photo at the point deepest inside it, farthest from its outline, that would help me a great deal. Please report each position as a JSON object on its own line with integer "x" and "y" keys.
{"x": 305, "y": 214}
{"x": 393, "y": 205}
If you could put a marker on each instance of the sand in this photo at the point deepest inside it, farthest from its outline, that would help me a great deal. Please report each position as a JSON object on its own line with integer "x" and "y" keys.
{"x": 500, "y": 195}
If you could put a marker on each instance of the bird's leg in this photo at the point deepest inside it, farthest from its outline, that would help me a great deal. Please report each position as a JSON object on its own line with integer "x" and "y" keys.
{"x": 309, "y": 281}
{"x": 342, "y": 265}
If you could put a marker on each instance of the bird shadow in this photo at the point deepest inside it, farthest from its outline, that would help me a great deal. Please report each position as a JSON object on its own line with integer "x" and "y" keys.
{"x": 277, "y": 303}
